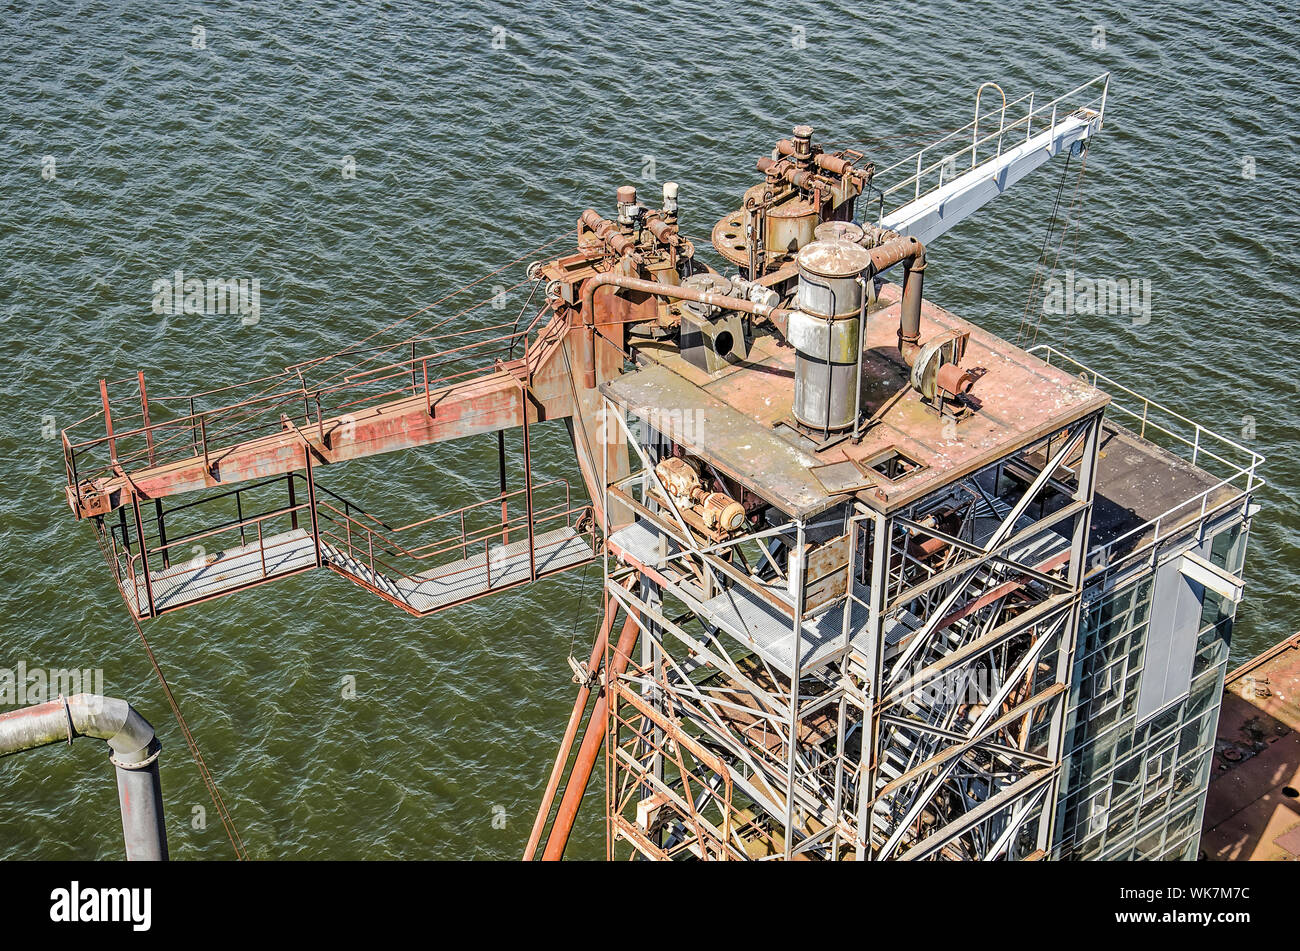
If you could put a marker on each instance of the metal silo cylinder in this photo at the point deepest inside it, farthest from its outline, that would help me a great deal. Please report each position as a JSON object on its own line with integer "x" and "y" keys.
{"x": 825, "y": 333}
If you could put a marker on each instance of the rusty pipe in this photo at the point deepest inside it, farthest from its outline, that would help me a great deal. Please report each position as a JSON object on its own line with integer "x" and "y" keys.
{"x": 673, "y": 292}
{"x": 795, "y": 176}
{"x": 778, "y": 315}
{"x": 874, "y": 235}
{"x": 617, "y": 242}
{"x": 592, "y": 741}
{"x": 570, "y": 732}
{"x": 833, "y": 164}
{"x": 664, "y": 232}
{"x": 911, "y": 253}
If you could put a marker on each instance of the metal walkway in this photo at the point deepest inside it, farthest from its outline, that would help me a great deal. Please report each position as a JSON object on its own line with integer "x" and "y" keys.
{"x": 287, "y": 553}
{"x": 204, "y": 577}
{"x": 758, "y": 624}
{"x": 469, "y": 578}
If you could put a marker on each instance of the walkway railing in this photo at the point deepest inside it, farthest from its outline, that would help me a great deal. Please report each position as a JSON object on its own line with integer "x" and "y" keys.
{"x": 158, "y": 572}
{"x": 407, "y": 552}
{"x": 1235, "y": 466}
{"x": 928, "y": 169}
{"x": 140, "y": 430}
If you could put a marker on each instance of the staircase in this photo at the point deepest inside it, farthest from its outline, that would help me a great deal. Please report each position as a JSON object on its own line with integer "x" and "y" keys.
{"x": 422, "y": 568}
{"x": 456, "y": 582}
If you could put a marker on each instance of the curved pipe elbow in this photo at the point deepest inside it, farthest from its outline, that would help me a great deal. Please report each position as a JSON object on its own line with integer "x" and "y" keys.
{"x": 115, "y": 721}
{"x": 911, "y": 253}
{"x": 129, "y": 735}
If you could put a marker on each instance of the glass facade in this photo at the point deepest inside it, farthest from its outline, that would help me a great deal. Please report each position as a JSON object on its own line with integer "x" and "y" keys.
{"x": 1136, "y": 790}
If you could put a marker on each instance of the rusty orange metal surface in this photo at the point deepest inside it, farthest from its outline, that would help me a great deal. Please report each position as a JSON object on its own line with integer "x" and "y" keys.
{"x": 1020, "y": 400}
{"x": 1252, "y": 811}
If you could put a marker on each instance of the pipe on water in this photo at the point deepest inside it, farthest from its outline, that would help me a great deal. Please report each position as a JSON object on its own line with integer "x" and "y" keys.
{"x": 134, "y": 755}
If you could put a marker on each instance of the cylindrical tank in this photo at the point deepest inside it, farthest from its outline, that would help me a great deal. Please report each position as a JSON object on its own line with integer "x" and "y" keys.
{"x": 790, "y": 226}
{"x": 845, "y": 230}
{"x": 824, "y": 333}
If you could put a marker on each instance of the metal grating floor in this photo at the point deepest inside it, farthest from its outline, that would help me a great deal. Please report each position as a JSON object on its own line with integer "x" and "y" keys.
{"x": 468, "y": 578}
{"x": 290, "y": 552}
{"x": 751, "y": 620}
{"x": 640, "y": 541}
{"x": 199, "y": 578}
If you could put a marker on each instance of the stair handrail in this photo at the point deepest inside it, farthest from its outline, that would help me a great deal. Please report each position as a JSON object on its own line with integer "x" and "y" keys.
{"x": 463, "y": 541}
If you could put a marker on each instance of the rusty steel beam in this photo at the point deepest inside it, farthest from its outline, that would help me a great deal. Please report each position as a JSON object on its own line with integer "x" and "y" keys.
{"x": 591, "y": 744}
{"x": 571, "y": 730}
{"x": 488, "y": 403}
{"x": 481, "y": 406}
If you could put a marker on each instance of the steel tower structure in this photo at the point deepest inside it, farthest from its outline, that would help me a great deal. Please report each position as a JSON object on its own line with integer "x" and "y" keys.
{"x": 865, "y": 553}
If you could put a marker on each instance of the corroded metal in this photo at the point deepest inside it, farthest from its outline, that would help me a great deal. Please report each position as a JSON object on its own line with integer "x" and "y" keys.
{"x": 852, "y": 490}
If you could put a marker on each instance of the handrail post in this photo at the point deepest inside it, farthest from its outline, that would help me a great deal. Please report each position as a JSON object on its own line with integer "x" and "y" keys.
{"x": 293, "y": 503}
{"x": 311, "y": 501}
{"x": 162, "y": 532}
{"x": 203, "y": 435}
{"x": 528, "y": 490}
{"x": 108, "y": 420}
{"x": 428, "y": 405}
{"x": 144, "y": 409}
{"x": 306, "y": 403}
{"x": 112, "y": 547}
{"x": 70, "y": 458}
{"x": 501, "y": 468}
{"x": 144, "y": 554}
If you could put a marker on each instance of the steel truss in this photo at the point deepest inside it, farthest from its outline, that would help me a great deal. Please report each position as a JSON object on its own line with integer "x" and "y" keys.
{"x": 927, "y": 716}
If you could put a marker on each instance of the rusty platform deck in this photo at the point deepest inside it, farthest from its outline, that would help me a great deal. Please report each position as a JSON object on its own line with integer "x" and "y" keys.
{"x": 460, "y": 581}
{"x": 1252, "y": 811}
{"x": 242, "y": 566}
{"x": 734, "y": 418}
{"x": 1138, "y": 482}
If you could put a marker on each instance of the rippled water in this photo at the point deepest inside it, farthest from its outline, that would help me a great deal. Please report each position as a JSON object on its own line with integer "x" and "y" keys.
{"x": 226, "y": 160}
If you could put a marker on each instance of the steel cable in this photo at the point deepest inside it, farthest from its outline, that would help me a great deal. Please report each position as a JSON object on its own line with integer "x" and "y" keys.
{"x": 227, "y": 821}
